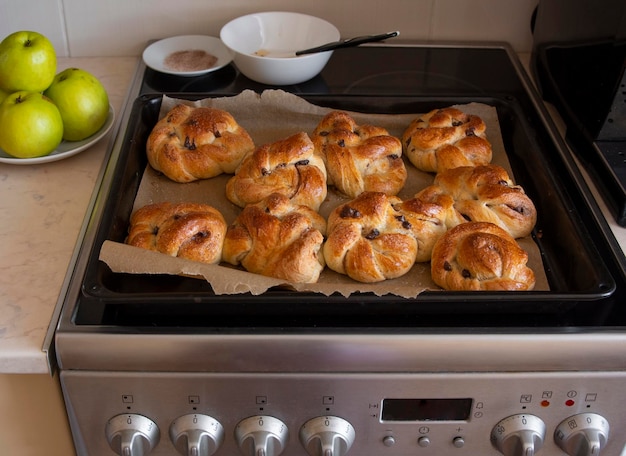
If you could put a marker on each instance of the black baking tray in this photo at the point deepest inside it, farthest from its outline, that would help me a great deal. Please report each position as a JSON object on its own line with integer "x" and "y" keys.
{"x": 582, "y": 288}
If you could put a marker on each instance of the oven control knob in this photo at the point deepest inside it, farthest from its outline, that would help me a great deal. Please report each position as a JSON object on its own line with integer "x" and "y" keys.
{"x": 130, "y": 434}
{"x": 196, "y": 435}
{"x": 261, "y": 435}
{"x": 519, "y": 435}
{"x": 327, "y": 436}
{"x": 582, "y": 435}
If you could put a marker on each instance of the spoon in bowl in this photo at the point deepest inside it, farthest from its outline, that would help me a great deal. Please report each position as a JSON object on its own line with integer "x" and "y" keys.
{"x": 348, "y": 43}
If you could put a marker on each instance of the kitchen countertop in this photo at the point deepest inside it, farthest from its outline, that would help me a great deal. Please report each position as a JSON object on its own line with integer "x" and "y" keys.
{"x": 43, "y": 207}
{"x": 42, "y": 210}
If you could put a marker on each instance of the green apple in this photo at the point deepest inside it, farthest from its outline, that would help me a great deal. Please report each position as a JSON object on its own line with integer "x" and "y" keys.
{"x": 82, "y": 101}
{"x": 3, "y": 95}
{"x": 27, "y": 62}
{"x": 30, "y": 125}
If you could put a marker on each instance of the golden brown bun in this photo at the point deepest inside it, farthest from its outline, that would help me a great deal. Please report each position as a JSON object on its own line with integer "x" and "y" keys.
{"x": 277, "y": 238}
{"x": 484, "y": 194}
{"x": 197, "y": 143}
{"x": 288, "y": 166}
{"x": 186, "y": 230}
{"x": 427, "y": 222}
{"x": 480, "y": 256}
{"x": 369, "y": 240}
{"x": 359, "y": 158}
{"x": 446, "y": 138}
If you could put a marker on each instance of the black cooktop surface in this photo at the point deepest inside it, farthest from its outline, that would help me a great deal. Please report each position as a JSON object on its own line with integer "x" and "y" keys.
{"x": 375, "y": 70}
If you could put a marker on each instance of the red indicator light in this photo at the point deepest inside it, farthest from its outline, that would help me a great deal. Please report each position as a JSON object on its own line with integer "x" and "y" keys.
{"x": 569, "y": 402}
{"x": 545, "y": 403}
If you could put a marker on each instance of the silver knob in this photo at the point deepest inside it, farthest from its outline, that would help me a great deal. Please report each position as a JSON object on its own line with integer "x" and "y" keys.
{"x": 327, "y": 436}
{"x": 519, "y": 435}
{"x": 582, "y": 435}
{"x": 196, "y": 435}
{"x": 132, "y": 435}
{"x": 261, "y": 436}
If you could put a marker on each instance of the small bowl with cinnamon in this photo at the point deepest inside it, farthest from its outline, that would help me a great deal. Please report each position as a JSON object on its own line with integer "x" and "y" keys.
{"x": 187, "y": 55}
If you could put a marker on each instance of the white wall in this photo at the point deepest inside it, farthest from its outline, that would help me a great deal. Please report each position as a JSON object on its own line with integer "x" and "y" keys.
{"x": 85, "y": 28}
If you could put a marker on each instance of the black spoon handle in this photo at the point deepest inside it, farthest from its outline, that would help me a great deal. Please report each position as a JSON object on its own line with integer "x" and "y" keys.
{"x": 348, "y": 43}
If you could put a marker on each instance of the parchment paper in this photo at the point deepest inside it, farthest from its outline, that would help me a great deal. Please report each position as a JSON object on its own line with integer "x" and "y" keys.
{"x": 268, "y": 117}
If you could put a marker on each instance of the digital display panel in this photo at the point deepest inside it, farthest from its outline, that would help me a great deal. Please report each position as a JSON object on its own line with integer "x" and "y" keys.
{"x": 426, "y": 409}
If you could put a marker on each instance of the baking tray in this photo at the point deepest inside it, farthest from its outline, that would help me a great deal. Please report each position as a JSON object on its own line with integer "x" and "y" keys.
{"x": 578, "y": 277}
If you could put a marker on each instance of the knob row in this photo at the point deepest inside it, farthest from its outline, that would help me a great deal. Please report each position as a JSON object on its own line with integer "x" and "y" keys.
{"x": 584, "y": 434}
{"x": 202, "y": 435}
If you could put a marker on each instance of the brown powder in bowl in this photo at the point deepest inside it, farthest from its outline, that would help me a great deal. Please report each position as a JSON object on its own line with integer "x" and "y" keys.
{"x": 190, "y": 60}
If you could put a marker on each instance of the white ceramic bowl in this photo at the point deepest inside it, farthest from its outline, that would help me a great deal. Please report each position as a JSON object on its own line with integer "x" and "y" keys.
{"x": 264, "y": 45}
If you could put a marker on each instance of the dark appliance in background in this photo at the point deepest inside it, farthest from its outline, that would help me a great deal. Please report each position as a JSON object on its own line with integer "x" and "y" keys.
{"x": 578, "y": 60}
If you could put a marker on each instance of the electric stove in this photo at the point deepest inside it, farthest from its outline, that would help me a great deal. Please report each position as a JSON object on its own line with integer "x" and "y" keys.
{"x": 162, "y": 365}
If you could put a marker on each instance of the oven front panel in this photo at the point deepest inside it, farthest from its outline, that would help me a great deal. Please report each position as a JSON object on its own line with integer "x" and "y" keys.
{"x": 444, "y": 414}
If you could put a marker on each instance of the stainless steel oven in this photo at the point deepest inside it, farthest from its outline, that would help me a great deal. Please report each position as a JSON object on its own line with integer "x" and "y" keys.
{"x": 161, "y": 365}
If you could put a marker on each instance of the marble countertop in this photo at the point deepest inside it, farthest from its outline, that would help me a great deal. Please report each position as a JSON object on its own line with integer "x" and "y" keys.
{"x": 42, "y": 209}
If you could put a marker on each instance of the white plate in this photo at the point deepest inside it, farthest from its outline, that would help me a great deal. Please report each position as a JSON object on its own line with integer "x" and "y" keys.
{"x": 154, "y": 55}
{"x": 66, "y": 148}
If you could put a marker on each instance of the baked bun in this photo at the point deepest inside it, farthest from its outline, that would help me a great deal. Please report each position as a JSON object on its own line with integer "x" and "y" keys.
{"x": 288, "y": 166}
{"x": 480, "y": 256}
{"x": 426, "y": 221}
{"x": 484, "y": 194}
{"x": 197, "y": 143}
{"x": 446, "y": 138}
{"x": 369, "y": 240}
{"x": 359, "y": 158}
{"x": 186, "y": 230}
{"x": 277, "y": 238}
